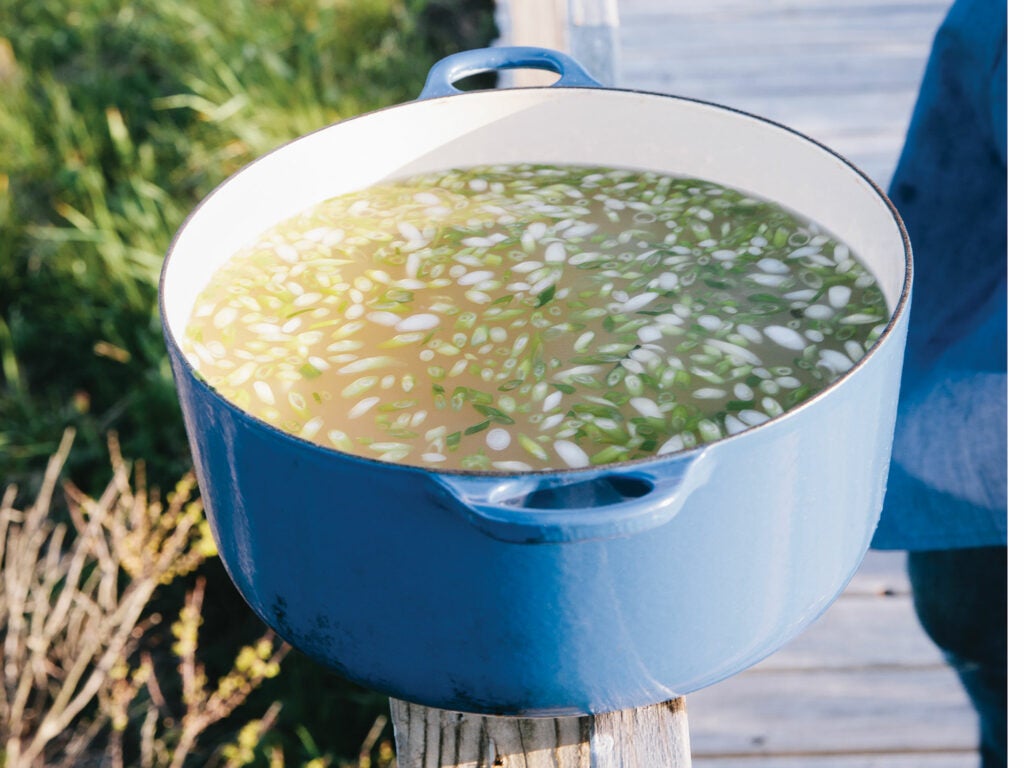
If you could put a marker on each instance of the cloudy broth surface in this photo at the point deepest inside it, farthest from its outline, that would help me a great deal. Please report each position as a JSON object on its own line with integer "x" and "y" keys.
{"x": 526, "y": 317}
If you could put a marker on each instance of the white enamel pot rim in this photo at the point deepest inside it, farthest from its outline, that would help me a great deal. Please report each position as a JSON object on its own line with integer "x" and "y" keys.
{"x": 585, "y": 119}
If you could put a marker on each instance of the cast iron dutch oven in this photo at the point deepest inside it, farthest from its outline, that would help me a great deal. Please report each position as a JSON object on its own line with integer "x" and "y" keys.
{"x": 503, "y": 593}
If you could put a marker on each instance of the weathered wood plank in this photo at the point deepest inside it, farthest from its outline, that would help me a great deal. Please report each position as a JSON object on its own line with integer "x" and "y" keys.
{"x": 844, "y": 73}
{"x": 823, "y": 711}
{"x": 881, "y": 573}
{"x": 887, "y": 760}
{"x": 876, "y": 8}
{"x": 657, "y": 735}
{"x": 780, "y": 37}
{"x": 767, "y": 75}
{"x": 537, "y": 22}
{"x": 534, "y": 22}
{"x": 860, "y": 632}
{"x": 593, "y": 30}
{"x": 863, "y": 678}
{"x": 641, "y": 738}
{"x": 587, "y": 29}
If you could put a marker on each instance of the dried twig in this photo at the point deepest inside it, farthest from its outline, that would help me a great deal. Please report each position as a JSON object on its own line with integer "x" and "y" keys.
{"x": 71, "y": 622}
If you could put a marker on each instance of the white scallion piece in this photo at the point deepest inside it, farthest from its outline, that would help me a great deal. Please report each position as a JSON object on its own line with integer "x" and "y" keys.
{"x": 362, "y": 407}
{"x": 574, "y": 456}
{"x": 785, "y": 337}
{"x": 839, "y": 296}
{"x": 419, "y": 322}
{"x": 498, "y": 439}
{"x": 646, "y": 407}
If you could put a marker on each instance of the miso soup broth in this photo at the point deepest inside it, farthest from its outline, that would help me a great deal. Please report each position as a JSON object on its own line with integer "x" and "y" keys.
{"x": 525, "y": 317}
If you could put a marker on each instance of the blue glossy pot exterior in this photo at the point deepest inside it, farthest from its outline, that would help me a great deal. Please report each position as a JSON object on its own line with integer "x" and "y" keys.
{"x": 457, "y": 590}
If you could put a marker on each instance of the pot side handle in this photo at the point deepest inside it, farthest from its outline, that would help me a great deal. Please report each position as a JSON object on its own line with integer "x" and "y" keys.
{"x": 449, "y": 70}
{"x": 577, "y": 506}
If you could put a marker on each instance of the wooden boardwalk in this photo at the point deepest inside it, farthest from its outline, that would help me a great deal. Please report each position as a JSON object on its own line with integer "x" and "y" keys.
{"x": 863, "y": 687}
{"x": 845, "y": 73}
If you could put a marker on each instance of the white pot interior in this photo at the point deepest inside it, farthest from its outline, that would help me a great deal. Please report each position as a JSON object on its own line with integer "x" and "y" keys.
{"x": 585, "y": 126}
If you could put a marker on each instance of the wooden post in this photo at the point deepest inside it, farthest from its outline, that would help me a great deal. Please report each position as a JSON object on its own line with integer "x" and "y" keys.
{"x": 655, "y": 736}
{"x": 586, "y": 29}
{"x": 594, "y": 38}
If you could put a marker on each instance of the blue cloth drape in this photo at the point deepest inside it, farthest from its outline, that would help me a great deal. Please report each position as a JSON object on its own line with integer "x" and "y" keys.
{"x": 948, "y": 483}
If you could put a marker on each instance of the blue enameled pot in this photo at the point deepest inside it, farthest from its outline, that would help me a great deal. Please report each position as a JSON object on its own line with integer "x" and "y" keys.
{"x": 507, "y": 594}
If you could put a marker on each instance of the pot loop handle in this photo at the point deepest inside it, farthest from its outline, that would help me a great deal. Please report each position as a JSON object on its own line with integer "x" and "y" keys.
{"x": 449, "y": 70}
{"x": 582, "y": 505}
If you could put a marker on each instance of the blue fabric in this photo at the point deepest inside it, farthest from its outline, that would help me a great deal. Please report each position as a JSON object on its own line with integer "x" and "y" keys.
{"x": 960, "y": 597}
{"x": 948, "y": 483}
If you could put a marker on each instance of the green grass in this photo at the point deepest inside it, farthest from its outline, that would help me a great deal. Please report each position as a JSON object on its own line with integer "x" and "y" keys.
{"x": 116, "y": 118}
